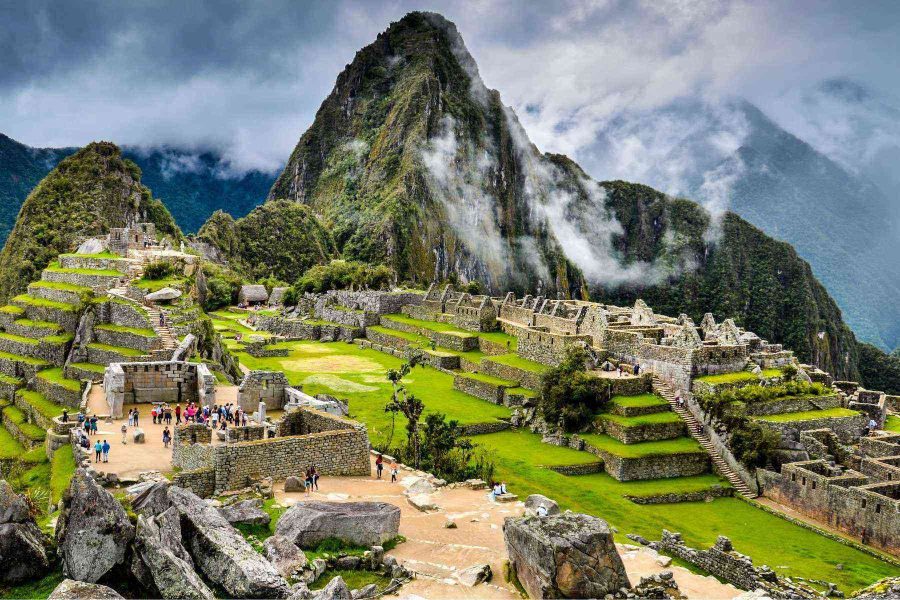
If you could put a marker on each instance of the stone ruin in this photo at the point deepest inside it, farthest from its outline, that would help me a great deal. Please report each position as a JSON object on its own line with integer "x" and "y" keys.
{"x": 174, "y": 382}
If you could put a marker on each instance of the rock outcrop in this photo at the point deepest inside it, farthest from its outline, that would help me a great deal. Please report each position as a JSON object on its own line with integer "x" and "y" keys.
{"x": 222, "y": 554}
{"x": 570, "y": 555}
{"x": 22, "y": 552}
{"x": 153, "y": 500}
{"x": 284, "y": 555}
{"x": 361, "y": 523}
{"x": 69, "y": 589}
{"x": 158, "y": 544}
{"x": 249, "y": 512}
{"x": 335, "y": 590}
{"x": 93, "y": 531}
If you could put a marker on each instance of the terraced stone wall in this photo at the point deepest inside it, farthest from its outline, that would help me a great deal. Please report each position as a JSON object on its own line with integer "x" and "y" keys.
{"x": 96, "y": 282}
{"x": 847, "y": 429}
{"x": 641, "y": 433}
{"x": 792, "y": 404}
{"x": 291, "y": 328}
{"x": 652, "y": 467}
{"x": 57, "y": 393}
{"x": 483, "y": 428}
{"x": 523, "y": 377}
{"x": 378, "y": 302}
{"x": 545, "y": 347}
{"x": 73, "y": 261}
{"x": 673, "y": 364}
{"x": 67, "y": 319}
{"x": 127, "y": 339}
{"x": 478, "y": 388}
{"x": 129, "y": 315}
{"x": 354, "y": 318}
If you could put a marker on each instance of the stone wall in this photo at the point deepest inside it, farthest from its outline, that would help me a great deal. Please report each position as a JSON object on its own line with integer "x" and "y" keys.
{"x": 485, "y": 390}
{"x": 724, "y": 563}
{"x": 51, "y": 352}
{"x": 455, "y": 341}
{"x": 528, "y": 379}
{"x": 127, "y": 339}
{"x": 75, "y": 261}
{"x": 847, "y": 501}
{"x": 378, "y": 302}
{"x": 57, "y": 393}
{"x": 67, "y": 319}
{"x": 847, "y": 429}
{"x": 715, "y": 491}
{"x": 545, "y": 347}
{"x": 652, "y": 467}
{"x": 122, "y": 312}
{"x": 95, "y": 282}
{"x": 483, "y": 428}
{"x": 172, "y": 382}
{"x": 262, "y": 386}
{"x": 641, "y": 433}
{"x": 200, "y": 481}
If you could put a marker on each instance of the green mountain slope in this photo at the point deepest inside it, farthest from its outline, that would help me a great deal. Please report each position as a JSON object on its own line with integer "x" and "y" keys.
{"x": 192, "y": 185}
{"x": 278, "y": 239}
{"x": 413, "y": 163}
{"x": 86, "y": 194}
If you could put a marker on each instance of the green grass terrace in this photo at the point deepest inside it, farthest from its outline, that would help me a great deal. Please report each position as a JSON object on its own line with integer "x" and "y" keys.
{"x": 682, "y": 445}
{"x": 809, "y": 415}
{"x": 738, "y": 377}
{"x": 498, "y": 337}
{"x": 640, "y": 401}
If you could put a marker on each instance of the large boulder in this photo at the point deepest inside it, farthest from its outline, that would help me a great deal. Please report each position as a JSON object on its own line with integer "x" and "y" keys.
{"x": 293, "y": 484}
{"x": 570, "y": 555}
{"x": 285, "y": 555}
{"x": 249, "y": 512}
{"x": 222, "y": 553}
{"x": 360, "y": 523}
{"x": 22, "y": 552}
{"x": 534, "y": 501}
{"x": 158, "y": 544}
{"x": 69, "y": 589}
{"x": 153, "y": 498}
{"x": 93, "y": 531}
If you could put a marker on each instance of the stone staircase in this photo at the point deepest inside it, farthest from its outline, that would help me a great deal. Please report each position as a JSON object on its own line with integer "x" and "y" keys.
{"x": 665, "y": 390}
{"x": 170, "y": 342}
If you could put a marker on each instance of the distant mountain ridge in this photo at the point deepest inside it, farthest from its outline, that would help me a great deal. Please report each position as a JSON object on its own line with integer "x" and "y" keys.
{"x": 192, "y": 185}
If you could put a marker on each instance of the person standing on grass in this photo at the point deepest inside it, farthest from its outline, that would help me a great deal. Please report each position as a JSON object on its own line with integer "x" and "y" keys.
{"x": 124, "y": 433}
{"x": 379, "y": 465}
{"x": 98, "y": 449}
{"x": 106, "y": 448}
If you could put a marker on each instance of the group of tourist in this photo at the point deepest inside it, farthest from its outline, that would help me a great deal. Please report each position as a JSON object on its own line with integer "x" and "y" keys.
{"x": 379, "y": 468}
{"x": 498, "y": 488}
{"x": 87, "y": 426}
{"x": 619, "y": 368}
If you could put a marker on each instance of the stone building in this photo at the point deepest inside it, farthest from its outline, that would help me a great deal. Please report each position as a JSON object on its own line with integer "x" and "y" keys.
{"x": 252, "y": 295}
{"x": 166, "y": 381}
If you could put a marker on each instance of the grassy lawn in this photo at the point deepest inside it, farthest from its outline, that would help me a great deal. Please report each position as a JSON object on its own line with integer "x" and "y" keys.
{"x": 346, "y": 371}
{"x": 29, "y": 360}
{"x": 682, "y": 445}
{"x": 61, "y": 285}
{"x": 787, "y": 548}
{"x": 809, "y": 415}
{"x": 46, "y": 407}
{"x": 154, "y": 285}
{"x": 651, "y": 419}
{"x": 18, "y": 338}
{"x": 514, "y": 360}
{"x": 892, "y": 423}
{"x": 30, "y": 430}
{"x": 144, "y": 332}
{"x": 39, "y": 588}
{"x": 55, "y": 268}
{"x": 90, "y": 367}
{"x": 9, "y": 446}
{"x": 42, "y": 302}
{"x": 735, "y": 377}
{"x": 234, "y": 315}
{"x": 118, "y": 349}
{"x": 12, "y": 310}
{"x": 488, "y": 379}
{"x": 57, "y": 376}
{"x": 62, "y": 467}
{"x": 639, "y": 401}
{"x": 498, "y": 337}
{"x": 104, "y": 254}
{"x": 61, "y": 338}
{"x": 353, "y": 579}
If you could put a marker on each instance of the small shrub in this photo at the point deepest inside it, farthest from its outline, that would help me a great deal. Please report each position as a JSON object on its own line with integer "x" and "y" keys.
{"x": 158, "y": 270}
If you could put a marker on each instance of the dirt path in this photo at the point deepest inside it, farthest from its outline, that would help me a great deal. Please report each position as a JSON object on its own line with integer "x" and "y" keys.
{"x": 435, "y": 553}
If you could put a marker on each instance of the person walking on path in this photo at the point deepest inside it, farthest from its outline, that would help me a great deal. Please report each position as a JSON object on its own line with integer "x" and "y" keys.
{"x": 315, "y": 477}
{"x": 177, "y": 414}
{"x": 124, "y": 433}
{"x": 106, "y": 447}
{"x": 167, "y": 437}
{"x": 394, "y": 471}
{"x": 379, "y": 465}
{"x": 98, "y": 449}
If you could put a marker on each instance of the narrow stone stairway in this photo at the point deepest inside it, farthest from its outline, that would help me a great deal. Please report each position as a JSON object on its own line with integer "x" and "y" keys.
{"x": 665, "y": 390}
{"x": 170, "y": 342}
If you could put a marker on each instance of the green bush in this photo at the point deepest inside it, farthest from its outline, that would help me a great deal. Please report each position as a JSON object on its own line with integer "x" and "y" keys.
{"x": 219, "y": 293}
{"x": 570, "y": 396}
{"x": 340, "y": 275}
{"x": 158, "y": 270}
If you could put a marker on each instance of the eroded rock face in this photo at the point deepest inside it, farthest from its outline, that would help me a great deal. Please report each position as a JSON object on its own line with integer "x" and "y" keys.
{"x": 570, "y": 555}
{"x": 284, "y": 555}
{"x": 222, "y": 554}
{"x": 69, "y": 589}
{"x": 158, "y": 543}
{"x": 22, "y": 552}
{"x": 361, "y": 523}
{"x": 93, "y": 531}
{"x": 246, "y": 511}
{"x": 153, "y": 499}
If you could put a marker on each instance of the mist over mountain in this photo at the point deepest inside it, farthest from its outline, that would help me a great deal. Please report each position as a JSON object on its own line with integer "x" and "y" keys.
{"x": 731, "y": 156}
{"x": 191, "y": 184}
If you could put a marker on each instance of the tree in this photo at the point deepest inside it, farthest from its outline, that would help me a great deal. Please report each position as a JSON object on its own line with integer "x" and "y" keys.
{"x": 440, "y": 438}
{"x": 407, "y": 404}
{"x": 570, "y": 395}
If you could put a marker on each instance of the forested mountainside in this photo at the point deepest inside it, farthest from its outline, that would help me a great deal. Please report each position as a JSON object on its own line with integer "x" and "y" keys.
{"x": 191, "y": 185}
{"x": 86, "y": 194}
{"x": 412, "y": 162}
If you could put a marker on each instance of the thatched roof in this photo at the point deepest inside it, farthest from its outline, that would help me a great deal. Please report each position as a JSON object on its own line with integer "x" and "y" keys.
{"x": 253, "y": 293}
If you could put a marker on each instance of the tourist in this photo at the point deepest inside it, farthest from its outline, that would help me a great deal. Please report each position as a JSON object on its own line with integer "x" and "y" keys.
{"x": 106, "y": 448}
{"x": 80, "y": 418}
{"x": 541, "y": 511}
{"x": 168, "y": 414}
{"x": 871, "y": 427}
{"x": 394, "y": 471}
{"x": 308, "y": 481}
{"x": 223, "y": 424}
{"x": 130, "y": 417}
{"x": 65, "y": 416}
{"x": 214, "y": 418}
{"x": 315, "y": 477}
{"x": 177, "y": 414}
{"x": 167, "y": 437}
{"x": 136, "y": 416}
{"x": 243, "y": 418}
{"x": 98, "y": 449}
{"x": 94, "y": 421}
{"x": 503, "y": 487}
{"x": 637, "y": 369}
{"x": 379, "y": 465}
{"x": 620, "y": 369}
{"x": 495, "y": 491}
{"x": 124, "y": 433}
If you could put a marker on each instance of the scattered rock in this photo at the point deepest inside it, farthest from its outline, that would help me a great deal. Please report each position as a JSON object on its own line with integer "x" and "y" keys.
{"x": 93, "y": 531}
{"x": 422, "y": 502}
{"x": 475, "y": 484}
{"x": 335, "y": 590}
{"x": 249, "y": 512}
{"x": 474, "y": 575}
{"x": 69, "y": 589}
{"x": 348, "y": 563}
{"x": 533, "y": 501}
{"x": 293, "y": 484}
{"x": 505, "y": 498}
{"x": 418, "y": 485}
{"x": 376, "y": 556}
{"x": 638, "y": 538}
{"x": 450, "y": 524}
{"x": 287, "y": 558}
{"x": 664, "y": 561}
{"x": 137, "y": 435}
{"x": 222, "y": 553}
{"x": 369, "y": 591}
{"x": 318, "y": 568}
{"x": 300, "y": 591}
{"x": 570, "y": 555}
{"x": 362, "y": 523}
{"x": 158, "y": 543}
{"x": 22, "y": 552}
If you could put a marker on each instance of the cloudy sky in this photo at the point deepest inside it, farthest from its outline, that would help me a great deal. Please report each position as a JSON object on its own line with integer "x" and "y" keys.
{"x": 247, "y": 77}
